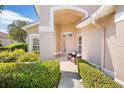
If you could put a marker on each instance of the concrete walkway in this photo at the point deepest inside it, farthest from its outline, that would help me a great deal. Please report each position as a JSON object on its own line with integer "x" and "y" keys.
{"x": 69, "y": 75}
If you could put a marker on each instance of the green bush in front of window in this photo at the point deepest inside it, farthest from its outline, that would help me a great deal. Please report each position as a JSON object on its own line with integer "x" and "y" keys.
{"x": 18, "y": 55}
{"x": 36, "y": 52}
{"x": 31, "y": 75}
{"x": 93, "y": 78}
{"x": 6, "y": 56}
{"x": 17, "y": 46}
{"x": 13, "y": 56}
{"x": 29, "y": 57}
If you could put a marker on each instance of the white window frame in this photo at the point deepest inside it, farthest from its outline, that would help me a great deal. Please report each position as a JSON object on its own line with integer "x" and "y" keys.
{"x": 31, "y": 36}
{"x": 35, "y": 43}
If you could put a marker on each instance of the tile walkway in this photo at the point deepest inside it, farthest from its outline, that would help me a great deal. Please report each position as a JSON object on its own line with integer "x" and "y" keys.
{"x": 69, "y": 75}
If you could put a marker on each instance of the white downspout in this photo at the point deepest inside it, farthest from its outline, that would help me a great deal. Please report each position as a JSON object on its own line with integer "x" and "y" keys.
{"x": 103, "y": 44}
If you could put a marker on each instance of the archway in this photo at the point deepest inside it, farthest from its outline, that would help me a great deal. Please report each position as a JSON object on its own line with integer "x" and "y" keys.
{"x": 66, "y": 17}
{"x": 57, "y": 8}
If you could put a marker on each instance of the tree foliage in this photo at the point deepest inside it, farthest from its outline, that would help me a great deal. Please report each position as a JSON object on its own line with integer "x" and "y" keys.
{"x": 1, "y": 8}
{"x": 16, "y": 32}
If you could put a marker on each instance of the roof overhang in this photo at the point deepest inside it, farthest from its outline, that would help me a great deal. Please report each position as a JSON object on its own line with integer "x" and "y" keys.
{"x": 37, "y": 8}
{"x": 30, "y": 25}
{"x": 3, "y": 35}
{"x": 100, "y": 13}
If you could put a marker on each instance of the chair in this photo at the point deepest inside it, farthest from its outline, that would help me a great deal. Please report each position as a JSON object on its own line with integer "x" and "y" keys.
{"x": 72, "y": 56}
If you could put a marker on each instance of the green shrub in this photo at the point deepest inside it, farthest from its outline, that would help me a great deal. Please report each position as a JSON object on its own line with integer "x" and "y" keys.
{"x": 13, "y": 56}
{"x": 93, "y": 78}
{"x": 18, "y": 55}
{"x": 3, "y": 48}
{"x": 36, "y": 52}
{"x": 18, "y": 52}
{"x": 6, "y": 56}
{"x": 17, "y": 46}
{"x": 32, "y": 75}
{"x": 29, "y": 57}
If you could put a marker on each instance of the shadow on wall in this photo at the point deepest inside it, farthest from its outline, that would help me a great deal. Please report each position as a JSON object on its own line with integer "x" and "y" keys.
{"x": 110, "y": 45}
{"x": 108, "y": 57}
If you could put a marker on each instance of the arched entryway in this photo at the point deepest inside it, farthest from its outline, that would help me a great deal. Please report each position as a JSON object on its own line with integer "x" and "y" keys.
{"x": 63, "y": 22}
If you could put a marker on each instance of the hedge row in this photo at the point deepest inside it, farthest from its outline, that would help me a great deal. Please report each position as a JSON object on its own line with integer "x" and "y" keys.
{"x": 18, "y": 55}
{"x": 29, "y": 75}
{"x": 12, "y": 47}
{"x": 93, "y": 78}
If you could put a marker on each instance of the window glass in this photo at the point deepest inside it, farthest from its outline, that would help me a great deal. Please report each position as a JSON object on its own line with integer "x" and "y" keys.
{"x": 80, "y": 45}
{"x": 36, "y": 44}
{"x": 67, "y": 34}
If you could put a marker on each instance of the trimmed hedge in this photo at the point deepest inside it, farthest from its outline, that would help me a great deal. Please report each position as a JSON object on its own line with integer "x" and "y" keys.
{"x": 3, "y": 48}
{"x": 18, "y": 55}
{"x": 94, "y": 78}
{"x": 29, "y": 75}
{"x": 17, "y": 46}
{"x": 29, "y": 57}
{"x": 7, "y": 56}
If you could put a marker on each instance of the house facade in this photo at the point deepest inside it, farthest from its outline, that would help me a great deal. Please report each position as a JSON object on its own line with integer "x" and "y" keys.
{"x": 4, "y": 39}
{"x": 95, "y": 32}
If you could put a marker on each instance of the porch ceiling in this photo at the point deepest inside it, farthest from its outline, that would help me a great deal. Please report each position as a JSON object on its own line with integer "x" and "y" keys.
{"x": 67, "y": 17}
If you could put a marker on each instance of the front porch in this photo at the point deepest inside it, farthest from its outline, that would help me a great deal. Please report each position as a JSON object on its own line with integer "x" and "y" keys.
{"x": 67, "y": 38}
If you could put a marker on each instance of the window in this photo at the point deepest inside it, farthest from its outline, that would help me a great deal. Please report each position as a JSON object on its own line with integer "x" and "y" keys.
{"x": 80, "y": 45}
{"x": 36, "y": 44}
{"x": 67, "y": 35}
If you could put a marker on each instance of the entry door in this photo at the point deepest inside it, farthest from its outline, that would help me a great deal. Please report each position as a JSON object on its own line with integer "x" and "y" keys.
{"x": 69, "y": 45}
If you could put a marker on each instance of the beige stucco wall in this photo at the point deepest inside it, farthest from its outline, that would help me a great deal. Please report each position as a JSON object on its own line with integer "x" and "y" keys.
{"x": 110, "y": 43}
{"x": 119, "y": 65}
{"x": 118, "y": 59}
{"x": 91, "y": 44}
{"x": 45, "y": 12}
{"x": 57, "y": 38}
{"x": 70, "y": 43}
{"x": 33, "y": 29}
{"x": 47, "y": 45}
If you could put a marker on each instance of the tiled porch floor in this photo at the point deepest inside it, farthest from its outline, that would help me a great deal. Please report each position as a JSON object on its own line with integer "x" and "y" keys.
{"x": 69, "y": 75}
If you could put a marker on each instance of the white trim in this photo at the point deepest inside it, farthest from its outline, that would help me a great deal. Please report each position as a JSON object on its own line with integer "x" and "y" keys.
{"x": 30, "y": 44}
{"x": 119, "y": 81}
{"x": 84, "y": 23}
{"x": 45, "y": 29}
{"x": 103, "y": 11}
{"x": 53, "y": 9}
{"x": 30, "y": 25}
{"x": 81, "y": 10}
{"x": 109, "y": 72}
{"x": 119, "y": 17}
{"x": 30, "y": 40}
